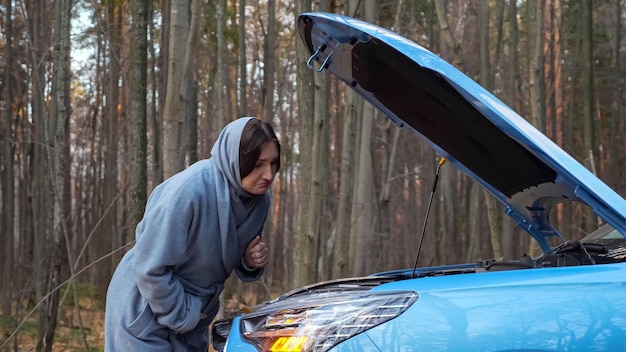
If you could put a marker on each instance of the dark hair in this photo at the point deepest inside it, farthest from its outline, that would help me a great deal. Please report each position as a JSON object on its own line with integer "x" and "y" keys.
{"x": 253, "y": 138}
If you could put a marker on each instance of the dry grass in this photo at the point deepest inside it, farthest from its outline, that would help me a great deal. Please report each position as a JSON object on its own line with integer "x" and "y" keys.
{"x": 72, "y": 334}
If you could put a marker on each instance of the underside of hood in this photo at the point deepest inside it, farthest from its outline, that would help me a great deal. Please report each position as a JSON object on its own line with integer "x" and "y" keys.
{"x": 482, "y": 136}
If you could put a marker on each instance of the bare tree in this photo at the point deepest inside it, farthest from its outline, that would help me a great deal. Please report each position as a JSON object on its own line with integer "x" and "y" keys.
{"x": 587, "y": 85}
{"x": 137, "y": 166}
{"x": 389, "y": 146}
{"x": 493, "y": 216}
{"x": 269, "y": 67}
{"x": 365, "y": 201}
{"x": 189, "y": 86}
{"x": 446, "y": 33}
{"x": 7, "y": 212}
{"x": 109, "y": 238}
{"x": 39, "y": 41}
{"x": 173, "y": 119}
{"x": 536, "y": 76}
{"x": 220, "y": 70}
{"x": 618, "y": 87}
{"x": 536, "y": 68}
{"x": 306, "y": 243}
{"x": 160, "y": 80}
{"x": 513, "y": 66}
{"x": 318, "y": 225}
{"x": 56, "y": 140}
{"x": 448, "y": 190}
{"x": 267, "y": 98}
{"x": 511, "y": 86}
{"x": 341, "y": 247}
{"x": 341, "y": 260}
{"x": 242, "y": 104}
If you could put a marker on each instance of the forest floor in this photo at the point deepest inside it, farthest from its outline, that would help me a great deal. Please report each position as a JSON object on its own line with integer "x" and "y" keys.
{"x": 84, "y": 334}
{"x": 69, "y": 336}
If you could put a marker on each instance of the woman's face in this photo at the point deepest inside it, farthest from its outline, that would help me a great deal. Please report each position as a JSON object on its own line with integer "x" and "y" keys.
{"x": 262, "y": 176}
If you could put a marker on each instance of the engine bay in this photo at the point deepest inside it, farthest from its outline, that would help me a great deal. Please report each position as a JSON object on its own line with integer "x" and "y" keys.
{"x": 567, "y": 254}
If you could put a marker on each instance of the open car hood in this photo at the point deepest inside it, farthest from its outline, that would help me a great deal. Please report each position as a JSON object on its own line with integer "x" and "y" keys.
{"x": 470, "y": 127}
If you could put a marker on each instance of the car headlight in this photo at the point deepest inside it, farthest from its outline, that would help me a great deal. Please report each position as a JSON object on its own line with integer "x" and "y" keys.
{"x": 319, "y": 321}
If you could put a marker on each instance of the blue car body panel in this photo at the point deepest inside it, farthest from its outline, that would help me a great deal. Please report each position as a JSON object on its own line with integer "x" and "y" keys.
{"x": 235, "y": 342}
{"x": 580, "y": 308}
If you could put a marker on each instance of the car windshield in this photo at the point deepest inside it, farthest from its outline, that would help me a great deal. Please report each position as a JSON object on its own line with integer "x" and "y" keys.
{"x": 605, "y": 232}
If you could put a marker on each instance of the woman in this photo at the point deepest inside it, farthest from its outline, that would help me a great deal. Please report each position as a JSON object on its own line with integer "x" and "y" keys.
{"x": 198, "y": 226}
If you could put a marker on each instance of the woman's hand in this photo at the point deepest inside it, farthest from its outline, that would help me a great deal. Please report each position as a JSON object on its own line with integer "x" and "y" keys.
{"x": 256, "y": 254}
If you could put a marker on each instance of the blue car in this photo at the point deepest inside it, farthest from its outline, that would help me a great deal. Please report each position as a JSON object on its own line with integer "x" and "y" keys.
{"x": 570, "y": 298}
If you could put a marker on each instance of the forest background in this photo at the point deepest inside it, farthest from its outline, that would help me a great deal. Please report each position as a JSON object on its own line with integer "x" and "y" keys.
{"x": 102, "y": 100}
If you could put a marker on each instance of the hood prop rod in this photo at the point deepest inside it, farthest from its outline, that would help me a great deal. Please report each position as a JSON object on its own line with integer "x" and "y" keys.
{"x": 430, "y": 202}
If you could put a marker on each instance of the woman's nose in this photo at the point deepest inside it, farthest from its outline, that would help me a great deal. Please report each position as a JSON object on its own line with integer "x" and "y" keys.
{"x": 267, "y": 172}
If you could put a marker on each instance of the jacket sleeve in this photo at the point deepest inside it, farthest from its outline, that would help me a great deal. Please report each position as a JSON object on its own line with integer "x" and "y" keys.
{"x": 248, "y": 274}
{"x": 161, "y": 245}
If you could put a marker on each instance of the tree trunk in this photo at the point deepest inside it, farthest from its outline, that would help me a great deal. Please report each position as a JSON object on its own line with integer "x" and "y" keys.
{"x": 219, "y": 86}
{"x": 220, "y": 70}
{"x": 513, "y": 66}
{"x": 554, "y": 88}
{"x": 7, "y": 211}
{"x": 137, "y": 125}
{"x": 341, "y": 248}
{"x": 38, "y": 29}
{"x": 493, "y": 216}
{"x": 475, "y": 206}
{"x": 108, "y": 238}
{"x": 154, "y": 122}
{"x": 446, "y": 33}
{"x": 536, "y": 69}
{"x": 59, "y": 119}
{"x": 536, "y": 79}
{"x": 242, "y": 106}
{"x": 173, "y": 119}
{"x": 269, "y": 67}
{"x": 40, "y": 167}
{"x": 363, "y": 210}
{"x": 448, "y": 179}
{"x": 496, "y": 63}
{"x": 189, "y": 86}
{"x": 511, "y": 88}
{"x": 587, "y": 99}
{"x": 391, "y": 135}
{"x": 305, "y": 242}
{"x": 341, "y": 259}
{"x": 365, "y": 203}
{"x": 616, "y": 106}
{"x": 318, "y": 222}
{"x": 158, "y": 92}
{"x": 483, "y": 44}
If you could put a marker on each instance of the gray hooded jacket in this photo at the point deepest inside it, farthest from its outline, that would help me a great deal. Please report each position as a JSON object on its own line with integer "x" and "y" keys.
{"x": 196, "y": 227}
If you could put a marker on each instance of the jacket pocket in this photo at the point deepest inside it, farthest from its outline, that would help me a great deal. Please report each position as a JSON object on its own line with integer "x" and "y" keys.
{"x": 141, "y": 326}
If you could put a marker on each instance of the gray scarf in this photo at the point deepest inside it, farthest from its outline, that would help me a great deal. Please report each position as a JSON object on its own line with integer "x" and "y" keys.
{"x": 238, "y": 210}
